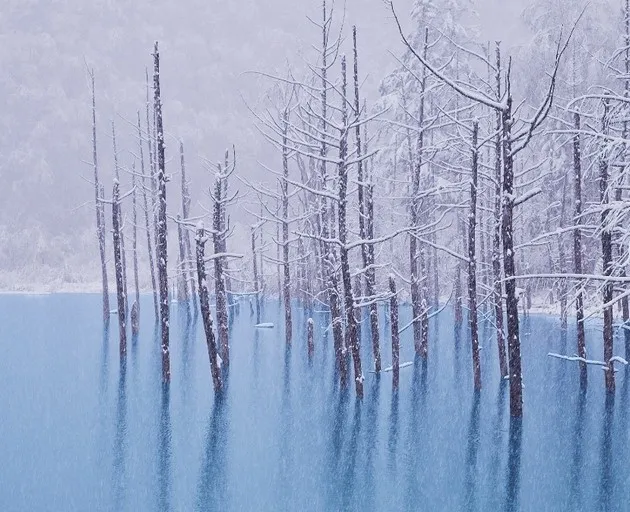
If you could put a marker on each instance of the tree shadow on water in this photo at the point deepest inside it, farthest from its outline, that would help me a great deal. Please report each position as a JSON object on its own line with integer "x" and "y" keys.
{"x": 212, "y": 490}
{"x": 120, "y": 439}
{"x": 513, "y": 476}
{"x": 606, "y": 455}
{"x": 472, "y": 450}
{"x": 164, "y": 451}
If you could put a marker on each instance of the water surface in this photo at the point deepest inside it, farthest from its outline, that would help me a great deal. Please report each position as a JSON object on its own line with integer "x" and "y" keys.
{"x": 82, "y": 430}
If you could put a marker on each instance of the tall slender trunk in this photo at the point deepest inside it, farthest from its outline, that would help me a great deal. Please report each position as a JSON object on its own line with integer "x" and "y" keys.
{"x": 507, "y": 231}
{"x": 496, "y": 238}
{"x": 120, "y": 295}
{"x": 219, "y": 278}
{"x": 562, "y": 257}
{"x": 472, "y": 260}
{"x": 393, "y": 306}
{"x": 366, "y": 222}
{"x": 122, "y": 234}
{"x": 186, "y": 213}
{"x": 370, "y": 274}
{"x": 256, "y": 278}
{"x": 577, "y": 245}
{"x": 284, "y": 185}
{"x": 100, "y": 220}
{"x": 418, "y": 274}
{"x": 607, "y": 262}
{"x": 351, "y": 325}
{"x": 147, "y": 223}
{"x": 205, "y": 310}
{"x": 162, "y": 247}
{"x": 135, "y": 309}
{"x": 183, "y": 277}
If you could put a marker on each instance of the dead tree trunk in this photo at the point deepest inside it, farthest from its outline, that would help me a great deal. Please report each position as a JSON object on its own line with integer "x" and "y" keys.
{"x": 219, "y": 278}
{"x": 352, "y": 341}
{"x": 370, "y": 274}
{"x": 120, "y": 292}
{"x": 182, "y": 279}
{"x": 577, "y": 246}
{"x": 472, "y": 261}
{"x": 562, "y": 258}
{"x": 507, "y": 232}
{"x": 135, "y": 308}
{"x": 205, "y": 310}
{"x": 607, "y": 262}
{"x": 256, "y": 278}
{"x": 309, "y": 338}
{"x": 393, "y": 307}
{"x": 497, "y": 297}
{"x": 122, "y": 235}
{"x": 418, "y": 274}
{"x": 100, "y": 220}
{"x": 366, "y": 210}
{"x": 284, "y": 186}
{"x": 162, "y": 248}
{"x": 147, "y": 223}
{"x": 186, "y": 235}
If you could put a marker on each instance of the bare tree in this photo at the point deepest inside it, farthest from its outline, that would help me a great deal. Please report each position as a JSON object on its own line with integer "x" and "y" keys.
{"x": 162, "y": 247}
{"x": 100, "y": 221}
{"x": 118, "y": 265}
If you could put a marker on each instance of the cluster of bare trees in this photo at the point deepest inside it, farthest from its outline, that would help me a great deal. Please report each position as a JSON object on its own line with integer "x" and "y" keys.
{"x": 370, "y": 205}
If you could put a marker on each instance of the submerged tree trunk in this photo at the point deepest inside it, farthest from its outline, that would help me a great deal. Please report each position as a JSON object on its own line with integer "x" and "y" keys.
{"x": 122, "y": 234}
{"x": 205, "y": 310}
{"x": 497, "y": 297}
{"x": 100, "y": 220}
{"x": 147, "y": 223}
{"x": 284, "y": 185}
{"x": 162, "y": 248}
{"x": 189, "y": 265}
{"x": 393, "y": 306}
{"x": 120, "y": 292}
{"x": 370, "y": 274}
{"x": 219, "y": 278}
{"x": 418, "y": 305}
{"x": 256, "y": 278}
{"x": 135, "y": 308}
{"x": 182, "y": 278}
{"x": 352, "y": 341}
{"x": 472, "y": 262}
{"x": 607, "y": 263}
{"x": 309, "y": 338}
{"x": 507, "y": 231}
{"x": 577, "y": 246}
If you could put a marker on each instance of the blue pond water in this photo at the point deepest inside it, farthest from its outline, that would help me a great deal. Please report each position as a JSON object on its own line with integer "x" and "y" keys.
{"x": 79, "y": 431}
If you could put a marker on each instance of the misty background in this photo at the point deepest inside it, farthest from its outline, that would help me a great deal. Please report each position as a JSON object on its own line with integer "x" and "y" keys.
{"x": 209, "y": 50}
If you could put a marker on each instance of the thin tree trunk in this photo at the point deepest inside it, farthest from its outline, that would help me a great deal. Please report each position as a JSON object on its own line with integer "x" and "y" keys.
{"x": 122, "y": 234}
{"x": 120, "y": 293}
{"x": 100, "y": 220}
{"x": 418, "y": 274}
{"x": 256, "y": 278}
{"x": 351, "y": 326}
{"x": 186, "y": 235}
{"x": 182, "y": 280}
{"x": 507, "y": 231}
{"x": 309, "y": 338}
{"x": 219, "y": 278}
{"x": 162, "y": 247}
{"x": 370, "y": 275}
{"x": 147, "y": 223}
{"x": 607, "y": 263}
{"x": 135, "y": 308}
{"x": 496, "y": 239}
{"x": 284, "y": 185}
{"x": 393, "y": 311}
{"x": 472, "y": 262}
{"x": 205, "y": 310}
{"x": 577, "y": 246}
